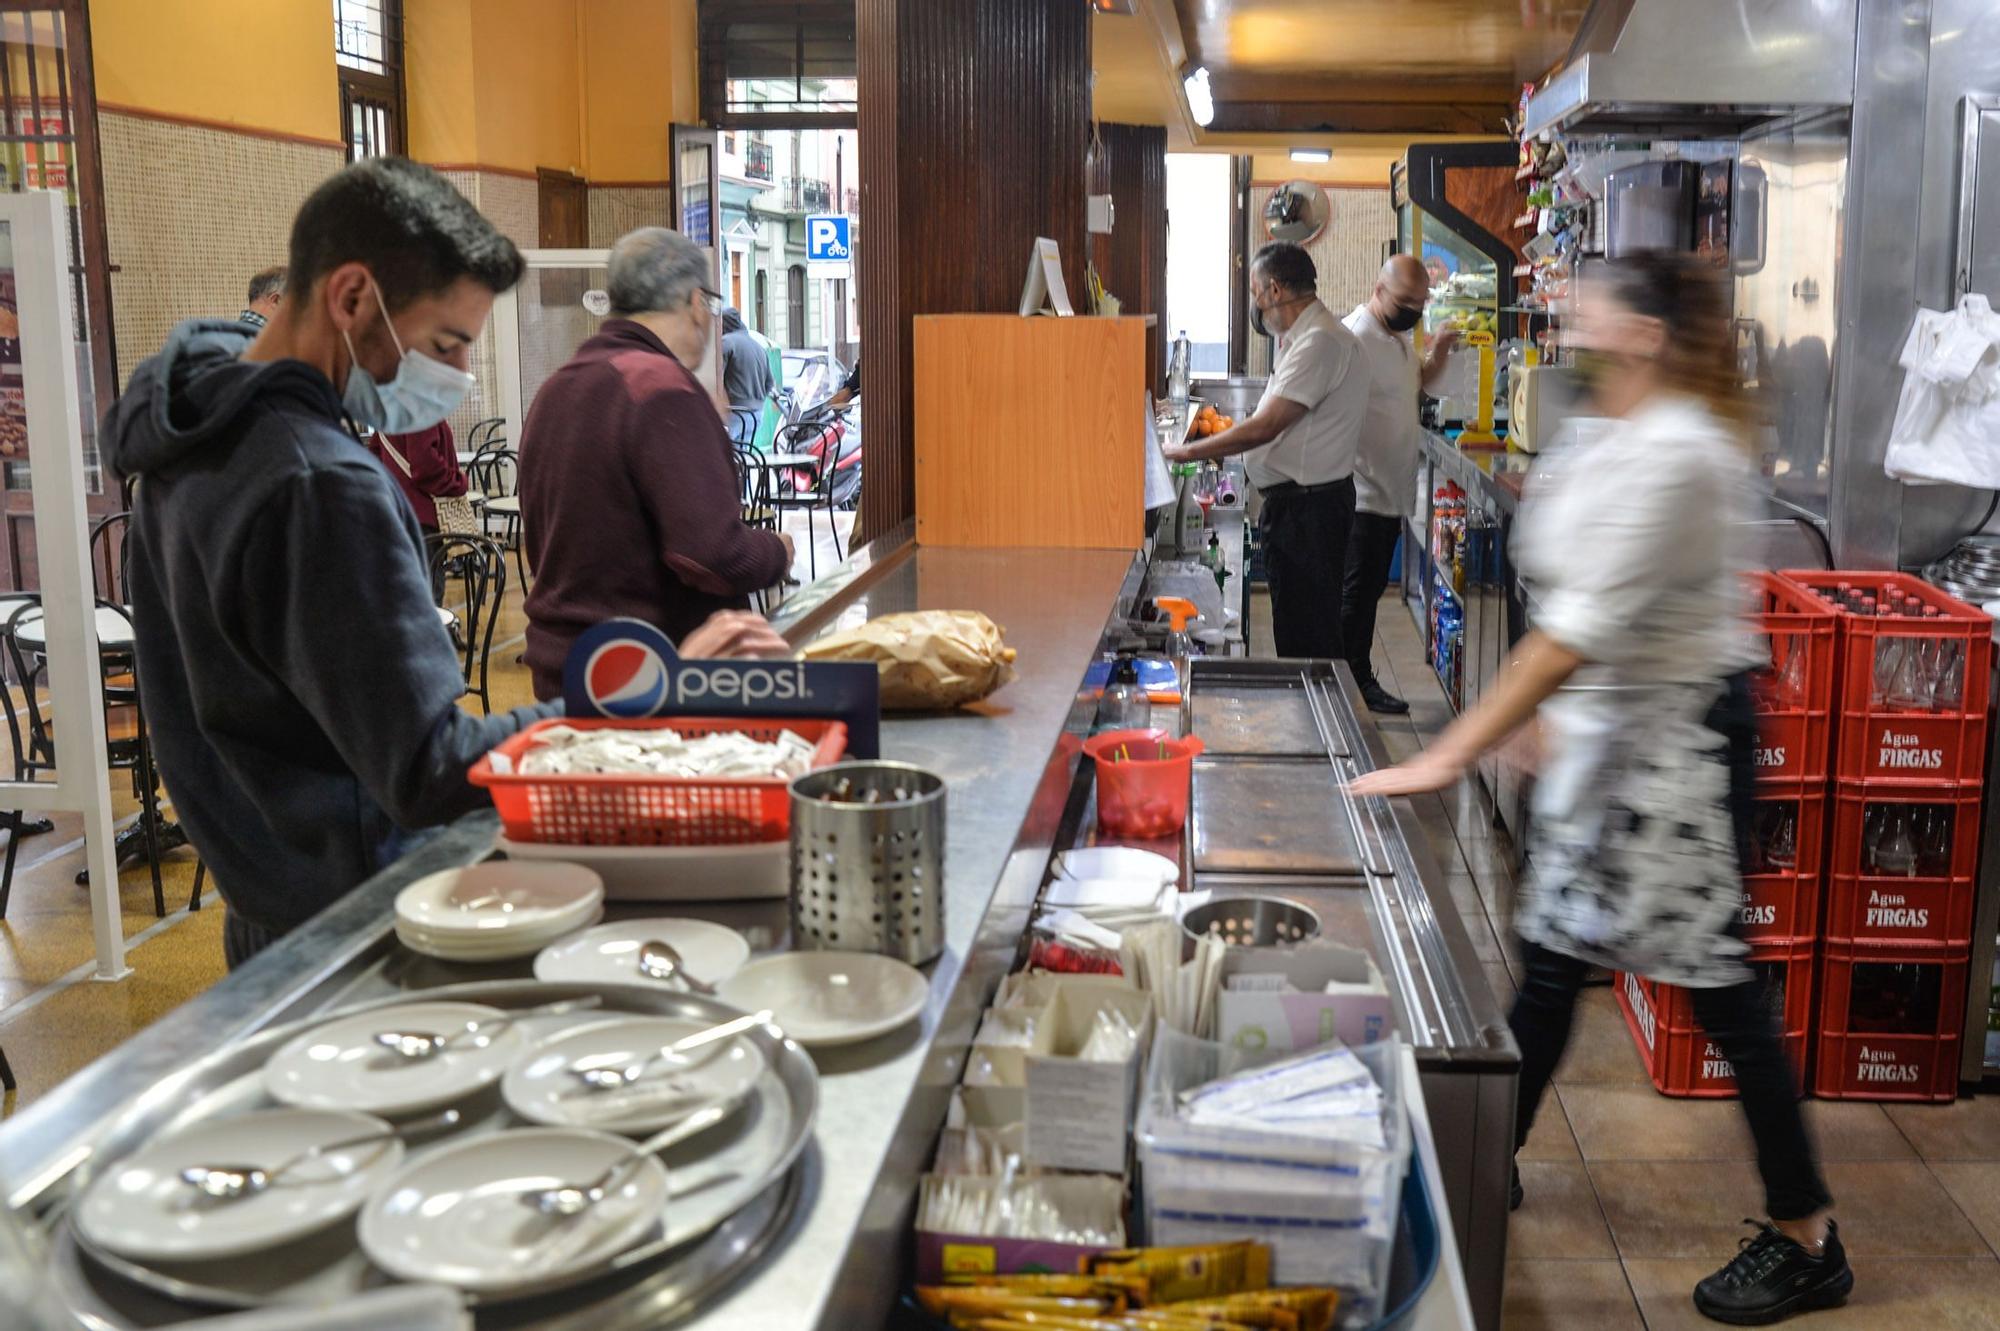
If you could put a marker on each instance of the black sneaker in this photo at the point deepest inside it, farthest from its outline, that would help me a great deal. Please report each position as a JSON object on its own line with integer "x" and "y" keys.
{"x": 1772, "y": 1277}
{"x": 1381, "y": 700}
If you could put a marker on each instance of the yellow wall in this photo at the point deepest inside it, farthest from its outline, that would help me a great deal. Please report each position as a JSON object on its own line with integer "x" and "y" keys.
{"x": 639, "y": 66}
{"x": 438, "y": 85}
{"x": 260, "y": 64}
{"x": 1349, "y": 167}
{"x": 524, "y": 74}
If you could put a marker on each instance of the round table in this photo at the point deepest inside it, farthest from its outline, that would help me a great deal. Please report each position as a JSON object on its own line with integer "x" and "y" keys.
{"x": 114, "y": 630}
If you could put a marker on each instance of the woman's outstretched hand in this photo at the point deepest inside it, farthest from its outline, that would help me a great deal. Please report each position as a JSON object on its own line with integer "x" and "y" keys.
{"x": 1428, "y": 771}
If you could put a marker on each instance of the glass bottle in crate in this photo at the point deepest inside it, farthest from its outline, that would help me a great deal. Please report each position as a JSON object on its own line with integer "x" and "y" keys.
{"x": 1934, "y": 823}
{"x": 1894, "y": 997}
{"x": 1896, "y": 857}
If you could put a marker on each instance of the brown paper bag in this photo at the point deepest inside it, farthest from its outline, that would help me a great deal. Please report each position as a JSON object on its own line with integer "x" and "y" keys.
{"x": 931, "y": 660}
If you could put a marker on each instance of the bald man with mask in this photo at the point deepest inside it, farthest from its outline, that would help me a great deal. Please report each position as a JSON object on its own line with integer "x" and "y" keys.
{"x": 1385, "y": 471}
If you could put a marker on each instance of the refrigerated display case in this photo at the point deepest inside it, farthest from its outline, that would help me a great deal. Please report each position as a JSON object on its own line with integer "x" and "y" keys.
{"x": 1455, "y": 209}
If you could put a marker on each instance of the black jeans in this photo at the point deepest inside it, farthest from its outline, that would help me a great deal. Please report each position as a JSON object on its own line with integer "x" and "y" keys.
{"x": 1735, "y": 1018}
{"x": 242, "y": 940}
{"x": 1305, "y": 562}
{"x": 1370, "y": 547}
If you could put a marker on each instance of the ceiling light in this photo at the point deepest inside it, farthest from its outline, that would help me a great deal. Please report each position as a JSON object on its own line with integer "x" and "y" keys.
{"x": 1112, "y": 6}
{"x": 1312, "y": 154}
{"x": 1201, "y": 103}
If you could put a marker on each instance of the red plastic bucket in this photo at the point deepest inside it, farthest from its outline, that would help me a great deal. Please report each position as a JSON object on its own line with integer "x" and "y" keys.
{"x": 1143, "y": 781}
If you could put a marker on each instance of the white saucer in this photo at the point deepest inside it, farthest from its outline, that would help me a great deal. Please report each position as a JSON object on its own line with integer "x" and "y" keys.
{"x": 140, "y": 1208}
{"x": 502, "y": 946}
{"x": 609, "y": 954}
{"x": 829, "y": 998}
{"x": 545, "y": 898}
{"x": 1117, "y": 862}
{"x": 540, "y": 1088}
{"x": 457, "y": 1217}
{"x": 338, "y": 1065}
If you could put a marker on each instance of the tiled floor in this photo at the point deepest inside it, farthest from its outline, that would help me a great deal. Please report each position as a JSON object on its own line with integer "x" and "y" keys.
{"x": 54, "y": 1018}
{"x": 1632, "y": 1197}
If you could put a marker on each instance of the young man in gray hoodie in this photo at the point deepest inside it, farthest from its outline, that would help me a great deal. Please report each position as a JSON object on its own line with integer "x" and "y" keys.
{"x": 301, "y": 692}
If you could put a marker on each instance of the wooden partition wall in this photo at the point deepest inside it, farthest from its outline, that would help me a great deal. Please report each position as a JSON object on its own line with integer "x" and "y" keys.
{"x": 1053, "y": 454}
{"x": 974, "y": 118}
{"x": 1129, "y": 162}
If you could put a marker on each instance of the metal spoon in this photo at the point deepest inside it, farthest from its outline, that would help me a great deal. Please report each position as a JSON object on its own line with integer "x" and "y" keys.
{"x": 228, "y": 1182}
{"x": 571, "y": 1199}
{"x": 599, "y": 1078}
{"x": 659, "y": 960}
{"x": 419, "y": 1045}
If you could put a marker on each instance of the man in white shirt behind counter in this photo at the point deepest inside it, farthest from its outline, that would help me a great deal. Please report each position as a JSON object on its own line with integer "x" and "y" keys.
{"x": 1301, "y": 444}
{"x": 1385, "y": 472}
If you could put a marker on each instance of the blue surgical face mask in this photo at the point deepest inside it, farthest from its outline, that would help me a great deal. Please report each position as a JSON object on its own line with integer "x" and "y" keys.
{"x": 424, "y": 391}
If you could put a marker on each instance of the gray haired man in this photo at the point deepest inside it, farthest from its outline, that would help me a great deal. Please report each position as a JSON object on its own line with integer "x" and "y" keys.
{"x": 267, "y": 291}
{"x": 630, "y": 500}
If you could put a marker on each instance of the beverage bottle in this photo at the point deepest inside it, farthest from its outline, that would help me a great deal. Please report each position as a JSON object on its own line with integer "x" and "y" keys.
{"x": 1784, "y": 848}
{"x": 1897, "y": 855}
{"x": 1873, "y": 817}
{"x": 1125, "y": 704}
{"x": 1947, "y": 670}
{"x": 1178, "y": 370}
{"x": 1934, "y": 840}
{"x": 1792, "y": 682}
{"x": 1888, "y": 659}
{"x": 1912, "y": 685}
{"x": 1211, "y": 559}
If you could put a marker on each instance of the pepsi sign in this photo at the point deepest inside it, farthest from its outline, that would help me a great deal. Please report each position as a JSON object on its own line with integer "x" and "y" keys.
{"x": 628, "y": 670}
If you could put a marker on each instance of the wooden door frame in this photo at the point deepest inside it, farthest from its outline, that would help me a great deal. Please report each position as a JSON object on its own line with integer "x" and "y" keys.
{"x": 547, "y": 178}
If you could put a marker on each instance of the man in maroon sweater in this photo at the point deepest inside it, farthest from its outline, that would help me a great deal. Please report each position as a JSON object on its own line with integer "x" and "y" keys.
{"x": 628, "y": 480}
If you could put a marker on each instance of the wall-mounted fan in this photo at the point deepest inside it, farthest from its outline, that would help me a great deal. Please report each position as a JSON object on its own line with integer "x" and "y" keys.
{"x": 1296, "y": 211}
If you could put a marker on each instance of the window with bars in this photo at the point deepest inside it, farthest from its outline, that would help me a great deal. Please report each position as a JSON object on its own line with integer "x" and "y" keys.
{"x": 368, "y": 48}
{"x": 766, "y": 61}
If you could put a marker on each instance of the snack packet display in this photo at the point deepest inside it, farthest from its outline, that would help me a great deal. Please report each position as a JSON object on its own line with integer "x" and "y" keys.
{"x": 1173, "y": 1275}
{"x": 931, "y": 660}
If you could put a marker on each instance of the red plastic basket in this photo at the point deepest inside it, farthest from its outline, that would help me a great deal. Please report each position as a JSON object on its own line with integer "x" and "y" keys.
{"x": 1875, "y": 741}
{"x": 1680, "y": 1058}
{"x": 617, "y": 810}
{"x": 1794, "y": 694}
{"x": 1929, "y": 909}
{"x": 1889, "y": 1035}
{"x": 1781, "y": 904}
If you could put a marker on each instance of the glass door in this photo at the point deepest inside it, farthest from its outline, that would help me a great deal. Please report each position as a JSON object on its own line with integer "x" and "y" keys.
{"x": 697, "y": 184}
{"x": 48, "y": 141}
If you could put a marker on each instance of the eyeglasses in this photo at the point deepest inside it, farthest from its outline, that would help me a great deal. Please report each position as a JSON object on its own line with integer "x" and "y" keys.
{"x": 712, "y": 299}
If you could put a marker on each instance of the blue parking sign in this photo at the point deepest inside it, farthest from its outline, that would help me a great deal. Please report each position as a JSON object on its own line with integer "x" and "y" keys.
{"x": 827, "y": 238}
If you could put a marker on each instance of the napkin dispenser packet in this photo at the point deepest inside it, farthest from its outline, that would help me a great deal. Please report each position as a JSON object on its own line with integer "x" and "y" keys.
{"x": 1302, "y": 996}
{"x": 1078, "y": 1201}
{"x": 1080, "y": 1109}
{"x": 1036, "y": 989}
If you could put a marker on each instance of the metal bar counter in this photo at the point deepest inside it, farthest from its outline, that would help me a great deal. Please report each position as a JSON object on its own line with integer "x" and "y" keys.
{"x": 833, "y": 1263}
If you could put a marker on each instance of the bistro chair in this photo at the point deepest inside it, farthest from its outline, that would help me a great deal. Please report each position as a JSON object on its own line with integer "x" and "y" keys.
{"x": 744, "y": 423}
{"x": 482, "y": 432}
{"x": 809, "y": 485}
{"x": 110, "y": 557}
{"x": 480, "y": 566}
{"x": 128, "y": 747}
{"x": 496, "y": 475}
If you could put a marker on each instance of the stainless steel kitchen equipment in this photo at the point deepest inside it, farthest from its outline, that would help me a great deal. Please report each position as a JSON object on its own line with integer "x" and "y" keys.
{"x": 1650, "y": 206}
{"x": 1244, "y": 921}
{"x": 868, "y": 860}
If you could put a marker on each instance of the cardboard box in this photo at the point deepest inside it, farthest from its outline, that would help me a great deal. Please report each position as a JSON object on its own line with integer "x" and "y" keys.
{"x": 1294, "y": 1012}
{"x": 1079, "y": 1112}
{"x": 940, "y": 1255}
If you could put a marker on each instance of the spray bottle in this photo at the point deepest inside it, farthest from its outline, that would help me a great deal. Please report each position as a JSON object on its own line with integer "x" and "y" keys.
{"x": 1180, "y": 646}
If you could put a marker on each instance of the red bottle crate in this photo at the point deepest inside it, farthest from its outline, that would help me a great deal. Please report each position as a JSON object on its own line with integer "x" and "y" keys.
{"x": 1794, "y": 694}
{"x": 1932, "y": 908}
{"x": 1782, "y": 903}
{"x": 1680, "y": 1058}
{"x": 1889, "y": 1034}
{"x": 1874, "y": 741}
{"x": 1853, "y": 799}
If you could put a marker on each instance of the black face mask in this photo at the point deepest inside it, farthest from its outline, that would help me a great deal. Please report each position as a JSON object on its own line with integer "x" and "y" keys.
{"x": 1404, "y": 318}
{"x": 1257, "y": 322}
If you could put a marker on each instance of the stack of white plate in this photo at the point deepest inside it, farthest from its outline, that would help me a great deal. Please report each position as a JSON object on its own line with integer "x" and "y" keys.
{"x": 497, "y": 910}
